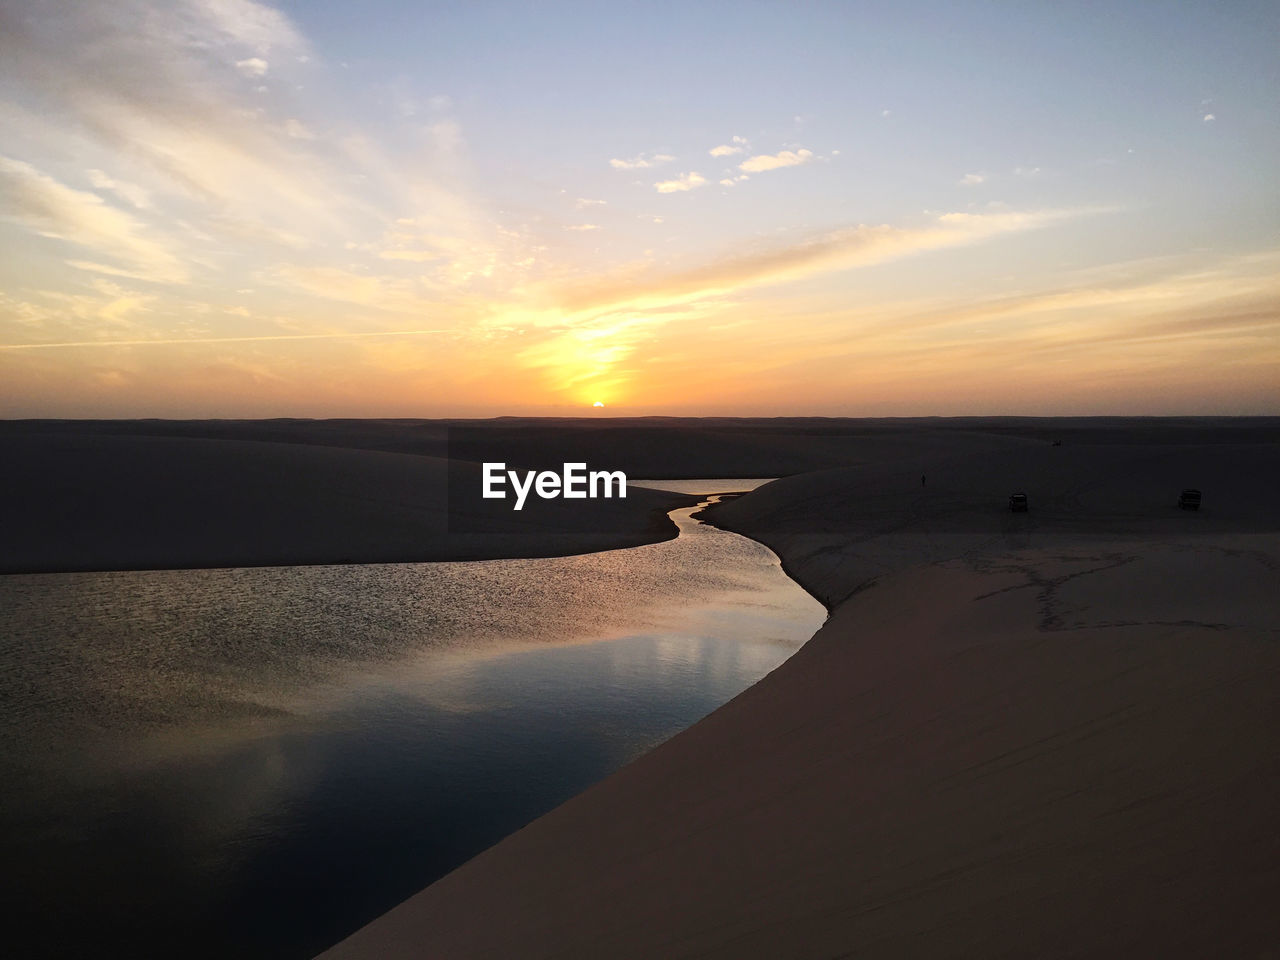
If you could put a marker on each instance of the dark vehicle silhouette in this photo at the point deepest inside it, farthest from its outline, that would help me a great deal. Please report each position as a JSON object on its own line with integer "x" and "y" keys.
{"x": 1018, "y": 502}
{"x": 1189, "y": 499}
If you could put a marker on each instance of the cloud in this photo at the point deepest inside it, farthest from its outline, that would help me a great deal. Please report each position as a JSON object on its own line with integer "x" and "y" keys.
{"x": 172, "y": 341}
{"x": 297, "y": 130}
{"x": 50, "y": 208}
{"x": 840, "y": 249}
{"x": 336, "y": 283}
{"x": 157, "y": 84}
{"x": 729, "y": 149}
{"x": 641, "y": 162}
{"x": 253, "y": 67}
{"x": 786, "y": 158}
{"x": 972, "y": 179}
{"x": 411, "y": 256}
{"x": 592, "y": 332}
{"x": 152, "y": 87}
{"x": 1209, "y": 118}
{"x": 583, "y": 227}
{"x": 582, "y": 203}
{"x": 1026, "y": 171}
{"x": 685, "y": 181}
{"x": 131, "y": 192}
{"x": 255, "y": 25}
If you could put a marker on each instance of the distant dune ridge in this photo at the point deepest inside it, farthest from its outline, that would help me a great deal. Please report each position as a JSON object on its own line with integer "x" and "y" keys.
{"x": 86, "y": 495}
{"x": 1043, "y": 734}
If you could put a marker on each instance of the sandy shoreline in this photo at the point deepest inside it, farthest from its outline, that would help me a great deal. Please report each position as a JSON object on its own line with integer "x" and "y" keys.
{"x": 1055, "y": 737}
{"x": 933, "y": 774}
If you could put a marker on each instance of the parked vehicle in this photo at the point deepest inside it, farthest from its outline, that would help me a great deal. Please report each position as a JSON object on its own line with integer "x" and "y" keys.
{"x": 1189, "y": 499}
{"x": 1018, "y": 502}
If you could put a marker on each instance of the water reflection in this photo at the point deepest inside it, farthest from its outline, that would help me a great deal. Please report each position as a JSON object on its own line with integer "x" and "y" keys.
{"x": 255, "y": 762}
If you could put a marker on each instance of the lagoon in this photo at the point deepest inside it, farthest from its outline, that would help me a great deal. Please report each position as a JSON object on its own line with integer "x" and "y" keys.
{"x": 258, "y": 761}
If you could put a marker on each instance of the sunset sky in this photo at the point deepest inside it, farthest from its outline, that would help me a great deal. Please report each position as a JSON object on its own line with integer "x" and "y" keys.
{"x": 222, "y": 208}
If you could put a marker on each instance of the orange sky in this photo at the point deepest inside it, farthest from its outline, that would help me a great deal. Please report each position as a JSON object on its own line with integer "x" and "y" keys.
{"x": 214, "y": 208}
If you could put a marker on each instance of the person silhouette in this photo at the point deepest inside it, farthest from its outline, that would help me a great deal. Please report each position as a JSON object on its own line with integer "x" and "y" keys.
{"x": 922, "y": 479}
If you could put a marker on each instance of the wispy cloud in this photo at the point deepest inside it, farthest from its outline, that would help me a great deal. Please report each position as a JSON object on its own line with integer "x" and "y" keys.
{"x": 972, "y": 179}
{"x": 729, "y": 149}
{"x": 170, "y": 341}
{"x": 296, "y": 129}
{"x": 776, "y": 161}
{"x": 685, "y": 181}
{"x": 131, "y": 192}
{"x": 594, "y": 330}
{"x": 253, "y": 67}
{"x": 834, "y": 250}
{"x": 52, "y": 209}
{"x": 155, "y": 92}
{"x": 584, "y": 227}
{"x": 160, "y": 86}
{"x": 642, "y": 162}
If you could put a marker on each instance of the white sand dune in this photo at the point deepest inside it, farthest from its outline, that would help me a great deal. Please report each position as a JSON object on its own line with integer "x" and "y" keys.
{"x": 1051, "y": 734}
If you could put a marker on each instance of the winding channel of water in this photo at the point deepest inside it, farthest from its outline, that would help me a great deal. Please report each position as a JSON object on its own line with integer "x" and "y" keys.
{"x": 255, "y": 762}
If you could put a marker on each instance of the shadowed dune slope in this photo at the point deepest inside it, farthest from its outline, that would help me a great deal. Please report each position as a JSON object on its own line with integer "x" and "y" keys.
{"x": 141, "y": 502}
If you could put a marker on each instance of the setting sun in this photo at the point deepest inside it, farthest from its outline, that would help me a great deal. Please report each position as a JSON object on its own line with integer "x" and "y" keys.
{"x": 821, "y": 238}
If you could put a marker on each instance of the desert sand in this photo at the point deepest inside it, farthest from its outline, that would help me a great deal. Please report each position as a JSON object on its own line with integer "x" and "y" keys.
{"x": 1041, "y": 734}
{"x": 72, "y": 500}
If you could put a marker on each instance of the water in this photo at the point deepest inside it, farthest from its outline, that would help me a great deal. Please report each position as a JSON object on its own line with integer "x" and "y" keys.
{"x": 255, "y": 762}
{"x": 700, "y": 488}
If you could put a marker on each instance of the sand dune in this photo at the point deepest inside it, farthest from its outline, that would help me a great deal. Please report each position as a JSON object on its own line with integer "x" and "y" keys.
{"x": 1041, "y": 734}
{"x": 75, "y": 502}
{"x": 838, "y": 529}
{"x": 1051, "y": 734}
{"x": 78, "y": 495}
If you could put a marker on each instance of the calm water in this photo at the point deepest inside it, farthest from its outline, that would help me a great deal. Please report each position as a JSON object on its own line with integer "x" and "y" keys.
{"x": 255, "y": 762}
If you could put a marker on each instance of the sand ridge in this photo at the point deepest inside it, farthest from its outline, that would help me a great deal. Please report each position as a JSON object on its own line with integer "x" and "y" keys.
{"x": 1051, "y": 734}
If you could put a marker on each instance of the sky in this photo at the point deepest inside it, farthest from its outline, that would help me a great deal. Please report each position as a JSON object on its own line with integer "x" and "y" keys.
{"x": 227, "y": 208}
